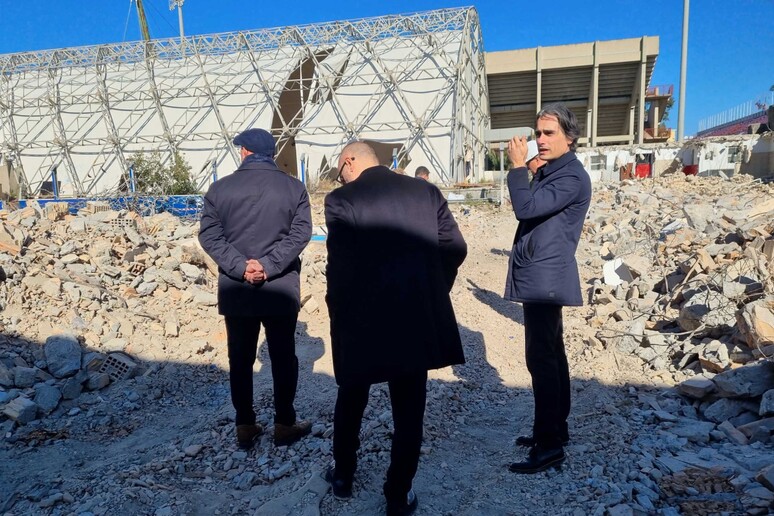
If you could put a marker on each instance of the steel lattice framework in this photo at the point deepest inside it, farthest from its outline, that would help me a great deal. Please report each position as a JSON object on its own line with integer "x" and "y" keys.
{"x": 413, "y": 82}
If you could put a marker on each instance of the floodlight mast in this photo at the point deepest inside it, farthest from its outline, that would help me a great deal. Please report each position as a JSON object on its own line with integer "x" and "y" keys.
{"x": 179, "y": 5}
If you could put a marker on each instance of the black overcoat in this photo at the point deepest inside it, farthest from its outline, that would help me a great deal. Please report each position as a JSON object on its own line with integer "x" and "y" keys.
{"x": 262, "y": 213}
{"x": 393, "y": 253}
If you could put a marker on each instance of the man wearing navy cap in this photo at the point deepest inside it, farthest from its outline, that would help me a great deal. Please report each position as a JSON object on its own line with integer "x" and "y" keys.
{"x": 255, "y": 224}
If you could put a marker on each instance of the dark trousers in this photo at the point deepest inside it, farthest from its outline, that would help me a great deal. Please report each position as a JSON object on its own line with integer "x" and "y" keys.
{"x": 407, "y": 396}
{"x": 242, "y": 334}
{"x": 547, "y": 363}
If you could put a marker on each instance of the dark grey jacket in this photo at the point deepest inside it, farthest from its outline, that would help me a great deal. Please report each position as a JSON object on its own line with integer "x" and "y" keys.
{"x": 393, "y": 253}
{"x": 257, "y": 212}
{"x": 551, "y": 212}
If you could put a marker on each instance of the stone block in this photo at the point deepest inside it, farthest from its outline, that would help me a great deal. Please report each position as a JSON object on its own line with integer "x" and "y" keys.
{"x": 22, "y": 410}
{"x": 97, "y": 381}
{"x": 724, "y": 409}
{"x": 47, "y": 397}
{"x": 766, "y": 477}
{"x": 6, "y": 376}
{"x": 694, "y": 431}
{"x": 72, "y": 388}
{"x": 24, "y": 377}
{"x": 696, "y": 387}
{"x": 192, "y": 273}
{"x": 93, "y": 360}
{"x": 732, "y": 433}
{"x": 310, "y": 305}
{"x": 756, "y": 323}
{"x": 715, "y": 357}
{"x": 767, "y": 404}
{"x": 638, "y": 265}
{"x": 63, "y": 355}
{"x": 699, "y": 215}
{"x": 750, "y": 428}
{"x": 171, "y": 328}
{"x": 205, "y": 298}
{"x": 708, "y": 309}
{"x": 146, "y": 288}
{"x": 745, "y": 382}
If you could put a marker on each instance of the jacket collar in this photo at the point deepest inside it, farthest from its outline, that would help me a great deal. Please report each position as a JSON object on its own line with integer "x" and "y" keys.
{"x": 556, "y": 164}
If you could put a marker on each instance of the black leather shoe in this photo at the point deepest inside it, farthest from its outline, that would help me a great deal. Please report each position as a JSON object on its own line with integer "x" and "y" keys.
{"x": 528, "y": 441}
{"x": 341, "y": 488}
{"x": 247, "y": 435}
{"x": 539, "y": 459}
{"x": 404, "y": 508}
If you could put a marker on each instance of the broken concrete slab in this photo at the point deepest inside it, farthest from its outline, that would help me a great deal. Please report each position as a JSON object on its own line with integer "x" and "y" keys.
{"x": 696, "y": 387}
{"x": 21, "y": 409}
{"x": 708, "y": 310}
{"x": 767, "y": 403}
{"x": 756, "y": 324}
{"x": 745, "y": 382}
{"x": 47, "y": 397}
{"x": 24, "y": 377}
{"x": 616, "y": 272}
{"x": 750, "y": 428}
{"x": 732, "y": 433}
{"x": 726, "y": 408}
{"x": 766, "y": 477}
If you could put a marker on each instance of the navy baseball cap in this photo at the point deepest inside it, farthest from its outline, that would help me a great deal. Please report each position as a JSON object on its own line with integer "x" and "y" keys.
{"x": 257, "y": 141}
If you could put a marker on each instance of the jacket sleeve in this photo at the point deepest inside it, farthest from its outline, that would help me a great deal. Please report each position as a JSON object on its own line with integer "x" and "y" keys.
{"x": 452, "y": 245}
{"x": 340, "y": 243}
{"x": 551, "y": 198}
{"x": 288, "y": 249}
{"x": 213, "y": 240}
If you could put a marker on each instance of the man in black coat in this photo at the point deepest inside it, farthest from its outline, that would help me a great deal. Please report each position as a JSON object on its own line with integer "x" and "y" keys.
{"x": 255, "y": 223}
{"x": 543, "y": 274}
{"x": 393, "y": 253}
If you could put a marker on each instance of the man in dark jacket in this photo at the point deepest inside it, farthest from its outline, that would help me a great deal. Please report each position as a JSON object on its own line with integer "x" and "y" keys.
{"x": 255, "y": 224}
{"x": 543, "y": 274}
{"x": 393, "y": 254}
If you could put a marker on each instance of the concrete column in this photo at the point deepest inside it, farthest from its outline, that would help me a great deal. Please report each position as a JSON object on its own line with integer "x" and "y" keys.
{"x": 539, "y": 84}
{"x": 641, "y": 99}
{"x": 588, "y": 127}
{"x": 631, "y": 124}
{"x": 594, "y": 98}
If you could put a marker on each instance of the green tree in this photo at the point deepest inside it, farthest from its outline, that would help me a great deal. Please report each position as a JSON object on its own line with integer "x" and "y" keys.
{"x": 493, "y": 156}
{"x": 153, "y": 178}
{"x": 670, "y": 102}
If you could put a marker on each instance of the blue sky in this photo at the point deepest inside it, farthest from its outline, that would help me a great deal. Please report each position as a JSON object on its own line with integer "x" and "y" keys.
{"x": 730, "y": 52}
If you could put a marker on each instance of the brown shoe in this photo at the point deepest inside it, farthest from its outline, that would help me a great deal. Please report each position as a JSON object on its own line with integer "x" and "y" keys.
{"x": 247, "y": 435}
{"x": 285, "y": 435}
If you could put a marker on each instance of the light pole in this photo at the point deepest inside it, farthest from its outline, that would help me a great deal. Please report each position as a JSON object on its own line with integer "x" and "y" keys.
{"x": 683, "y": 72}
{"x": 179, "y": 5}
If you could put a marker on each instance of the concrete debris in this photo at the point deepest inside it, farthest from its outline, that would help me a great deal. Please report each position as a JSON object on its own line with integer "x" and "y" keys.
{"x": 672, "y": 404}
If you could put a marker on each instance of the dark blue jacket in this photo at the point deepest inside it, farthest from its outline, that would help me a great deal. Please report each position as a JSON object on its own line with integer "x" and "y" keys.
{"x": 551, "y": 211}
{"x": 393, "y": 253}
{"x": 257, "y": 212}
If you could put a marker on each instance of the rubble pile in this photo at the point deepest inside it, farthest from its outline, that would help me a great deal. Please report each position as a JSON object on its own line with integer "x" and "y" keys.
{"x": 113, "y": 369}
{"x": 120, "y": 282}
{"x": 683, "y": 283}
{"x": 34, "y": 385}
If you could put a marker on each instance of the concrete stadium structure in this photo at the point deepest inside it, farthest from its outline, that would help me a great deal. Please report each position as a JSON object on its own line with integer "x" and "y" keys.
{"x": 414, "y": 83}
{"x": 604, "y": 83}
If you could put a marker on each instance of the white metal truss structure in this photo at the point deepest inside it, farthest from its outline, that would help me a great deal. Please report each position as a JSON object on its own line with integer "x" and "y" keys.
{"x": 415, "y": 83}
